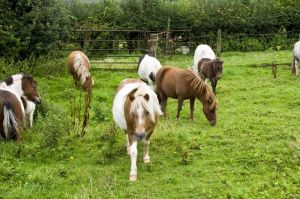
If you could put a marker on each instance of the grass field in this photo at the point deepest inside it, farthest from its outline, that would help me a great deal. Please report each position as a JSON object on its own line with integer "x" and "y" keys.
{"x": 252, "y": 152}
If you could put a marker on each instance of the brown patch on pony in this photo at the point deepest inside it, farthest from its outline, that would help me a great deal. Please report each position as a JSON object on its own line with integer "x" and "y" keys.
{"x": 29, "y": 86}
{"x": 10, "y": 101}
{"x": 183, "y": 84}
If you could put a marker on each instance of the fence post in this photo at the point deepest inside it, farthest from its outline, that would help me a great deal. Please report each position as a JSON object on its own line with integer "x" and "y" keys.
{"x": 219, "y": 43}
{"x": 153, "y": 44}
{"x": 167, "y": 36}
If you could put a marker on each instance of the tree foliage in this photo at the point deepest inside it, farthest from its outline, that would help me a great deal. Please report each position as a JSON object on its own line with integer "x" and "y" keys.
{"x": 32, "y": 28}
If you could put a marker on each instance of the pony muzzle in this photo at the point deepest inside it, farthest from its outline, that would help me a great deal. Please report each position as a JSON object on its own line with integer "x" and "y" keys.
{"x": 213, "y": 123}
{"x": 140, "y": 136}
{"x": 37, "y": 100}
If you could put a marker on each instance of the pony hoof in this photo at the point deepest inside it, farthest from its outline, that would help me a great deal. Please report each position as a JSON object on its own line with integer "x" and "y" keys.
{"x": 132, "y": 178}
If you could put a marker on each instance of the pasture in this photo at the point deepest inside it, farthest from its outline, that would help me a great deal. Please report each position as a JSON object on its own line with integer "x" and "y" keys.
{"x": 252, "y": 152}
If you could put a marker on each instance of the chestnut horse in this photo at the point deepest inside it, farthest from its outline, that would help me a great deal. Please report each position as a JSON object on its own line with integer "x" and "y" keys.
{"x": 136, "y": 110}
{"x": 79, "y": 65}
{"x": 184, "y": 84}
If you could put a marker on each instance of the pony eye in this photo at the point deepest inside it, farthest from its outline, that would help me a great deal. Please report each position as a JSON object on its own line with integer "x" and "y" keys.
{"x": 147, "y": 113}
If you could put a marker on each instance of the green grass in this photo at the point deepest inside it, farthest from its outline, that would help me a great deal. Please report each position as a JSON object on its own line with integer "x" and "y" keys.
{"x": 252, "y": 152}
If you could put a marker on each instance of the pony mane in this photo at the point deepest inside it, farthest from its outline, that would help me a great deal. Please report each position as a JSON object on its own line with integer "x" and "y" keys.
{"x": 80, "y": 68}
{"x": 200, "y": 87}
{"x": 152, "y": 105}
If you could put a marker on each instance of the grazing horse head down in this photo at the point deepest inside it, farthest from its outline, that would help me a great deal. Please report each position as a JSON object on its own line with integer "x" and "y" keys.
{"x": 136, "y": 110}
{"x": 184, "y": 84}
{"x": 147, "y": 69}
{"x": 24, "y": 85}
{"x": 79, "y": 65}
{"x": 12, "y": 116}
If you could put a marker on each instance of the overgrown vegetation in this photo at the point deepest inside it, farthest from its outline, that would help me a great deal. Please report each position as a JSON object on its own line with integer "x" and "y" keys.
{"x": 252, "y": 152}
{"x": 29, "y": 29}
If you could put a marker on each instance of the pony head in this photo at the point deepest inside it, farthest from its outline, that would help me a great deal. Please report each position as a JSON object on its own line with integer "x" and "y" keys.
{"x": 209, "y": 109}
{"x": 218, "y": 68}
{"x": 29, "y": 87}
{"x": 89, "y": 83}
{"x": 142, "y": 117}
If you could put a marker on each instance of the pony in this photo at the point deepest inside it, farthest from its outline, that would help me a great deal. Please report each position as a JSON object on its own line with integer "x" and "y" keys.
{"x": 79, "y": 65}
{"x": 296, "y": 57}
{"x": 25, "y": 88}
{"x": 29, "y": 108}
{"x": 207, "y": 65}
{"x": 184, "y": 84}
{"x": 136, "y": 110}
{"x": 12, "y": 115}
{"x": 212, "y": 70}
{"x": 24, "y": 85}
{"x": 147, "y": 69}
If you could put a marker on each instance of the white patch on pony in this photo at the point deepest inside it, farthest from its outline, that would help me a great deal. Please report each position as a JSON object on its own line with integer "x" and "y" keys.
{"x": 29, "y": 111}
{"x": 147, "y": 66}
{"x": 202, "y": 51}
{"x": 296, "y": 52}
{"x": 80, "y": 69}
{"x": 16, "y": 86}
{"x": 152, "y": 105}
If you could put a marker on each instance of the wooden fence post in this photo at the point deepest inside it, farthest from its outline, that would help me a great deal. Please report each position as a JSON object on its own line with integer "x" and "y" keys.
{"x": 219, "y": 43}
{"x": 167, "y": 36}
{"x": 153, "y": 44}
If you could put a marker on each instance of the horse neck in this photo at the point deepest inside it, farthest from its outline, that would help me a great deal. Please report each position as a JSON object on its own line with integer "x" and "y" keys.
{"x": 16, "y": 87}
{"x": 201, "y": 93}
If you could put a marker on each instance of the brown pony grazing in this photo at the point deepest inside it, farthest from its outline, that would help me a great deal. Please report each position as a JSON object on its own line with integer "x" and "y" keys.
{"x": 136, "y": 110}
{"x": 79, "y": 66}
{"x": 12, "y": 115}
{"x": 211, "y": 69}
{"x": 183, "y": 84}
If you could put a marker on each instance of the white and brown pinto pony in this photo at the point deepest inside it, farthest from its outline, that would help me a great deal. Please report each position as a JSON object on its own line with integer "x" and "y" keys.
{"x": 296, "y": 57}
{"x": 79, "y": 65}
{"x": 147, "y": 69}
{"x": 12, "y": 110}
{"x": 136, "y": 110}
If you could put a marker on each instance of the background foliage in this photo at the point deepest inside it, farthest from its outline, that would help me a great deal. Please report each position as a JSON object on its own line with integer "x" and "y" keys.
{"x": 32, "y": 28}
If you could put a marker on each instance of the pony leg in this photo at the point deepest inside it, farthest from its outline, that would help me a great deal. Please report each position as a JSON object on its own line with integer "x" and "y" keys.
{"x": 128, "y": 144}
{"x": 146, "y": 151}
{"x": 133, "y": 157}
{"x": 164, "y": 105}
{"x": 297, "y": 67}
{"x": 31, "y": 119}
{"x": 192, "y": 103}
{"x": 179, "y": 107}
{"x": 213, "y": 84}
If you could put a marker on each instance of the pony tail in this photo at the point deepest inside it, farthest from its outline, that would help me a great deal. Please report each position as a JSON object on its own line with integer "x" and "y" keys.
{"x": 10, "y": 124}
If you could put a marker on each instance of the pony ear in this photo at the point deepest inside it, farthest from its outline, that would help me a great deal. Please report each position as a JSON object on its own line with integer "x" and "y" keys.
{"x": 131, "y": 94}
{"x": 131, "y": 97}
{"x": 146, "y": 96}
